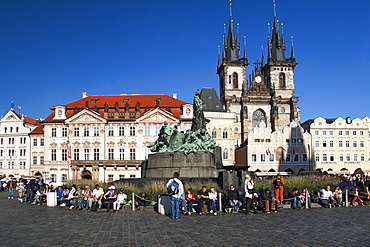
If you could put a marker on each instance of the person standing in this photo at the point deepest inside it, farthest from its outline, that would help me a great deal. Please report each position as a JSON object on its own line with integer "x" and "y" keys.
{"x": 279, "y": 183}
{"x": 175, "y": 189}
{"x": 32, "y": 186}
{"x": 11, "y": 187}
{"x": 248, "y": 187}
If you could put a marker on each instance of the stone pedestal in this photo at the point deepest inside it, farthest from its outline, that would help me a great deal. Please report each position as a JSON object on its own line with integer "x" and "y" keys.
{"x": 194, "y": 165}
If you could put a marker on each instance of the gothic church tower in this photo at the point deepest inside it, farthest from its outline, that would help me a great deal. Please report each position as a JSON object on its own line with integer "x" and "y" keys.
{"x": 232, "y": 71}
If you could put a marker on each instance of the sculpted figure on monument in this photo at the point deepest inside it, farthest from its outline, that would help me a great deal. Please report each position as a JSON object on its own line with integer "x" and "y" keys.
{"x": 194, "y": 140}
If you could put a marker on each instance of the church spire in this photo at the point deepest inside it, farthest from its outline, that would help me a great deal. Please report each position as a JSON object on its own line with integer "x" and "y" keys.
{"x": 277, "y": 43}
{"x": 232, "y": 45}
{"x": 292, "y": 55}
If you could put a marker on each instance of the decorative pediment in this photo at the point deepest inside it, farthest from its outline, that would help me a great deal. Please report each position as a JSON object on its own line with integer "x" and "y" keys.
{"x": 11, "y": 116}
{"x": 158, "y": 116}
{"x": 86, "y": 116}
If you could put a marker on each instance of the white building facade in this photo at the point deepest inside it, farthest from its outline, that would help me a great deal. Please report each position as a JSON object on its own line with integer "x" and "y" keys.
{"x": 15, "y": 144}
{"x": 339, "y": 146}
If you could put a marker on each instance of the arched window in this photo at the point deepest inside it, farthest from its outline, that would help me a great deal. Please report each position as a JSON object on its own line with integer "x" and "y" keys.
{"x": 282, "y": 110}
{"x": 214, "y": 133}
{"x": 225, "y": 154}
{"x": 235, "y": 80}
{"x": 258, "y": 117}
{"x": 224, "y": 134}
{"x": 282, "y": 80}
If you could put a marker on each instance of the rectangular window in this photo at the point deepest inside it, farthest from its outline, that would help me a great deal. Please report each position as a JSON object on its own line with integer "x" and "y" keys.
{"x": 287, "y": 157}
{"x": 53, "y": 132}
{"x": 110, "y": 131}
{"x": 354, "y": 132}
{"x": 42, "y": 142}
{"x": 354, "y": 157}
{"x": 340, "y": 144}
{"x": 331, "y": 157}
{"x": 110, "y": 177}
{"x": 304, "y": 157}
{"x": 53, "y": 154}
{"x": 324, "y": 132}
{"x": 156, "y": 130}
{"x": 347, "y": 133}
{"x": 76, "y": 154}
{"x": 340, "y": 132}
{"x": 64, "y": 154}
{"x": 34, "y": 160}
{"x": 132, "y": 131}
{"x": 53, "y": 178}
{"x": 324, "y": 157}
{"x": 324, "y": 143}
{"x": 5, "y": 129}
{"x": 354, "y": 144}
{"x": 41, "y": 160}
{"x": 263, "y": 158}
{"x": 362, "y": 157}
{"x": 147, "y": 130}
{"x": 76, "y": 131}
{"x": 317, "y": 143}
{"x": 64, "y": 178}
{"x": 64, "y": 132}
{"x": 121, "y": 154}
{"x": 331, "y": 132}
{"x": 35, "y": 142}
{"x": 96, "y": 131}
{"x": 317, "y": 157}
{"x": 87, "y": 154}
{"x": 271, "y": 157}
{"x": 132, "y": 154}
{"x": 361, "y": 132}
{"x": 316, "y": 132}
{"x": 347, "y": 144}
{"x": 110, "y": 153}
{"x": 362, "y": 144}
{"x": 331, "y": 143}
{"x": 1, "y": 141}
{"x": 296, "y": 158}
{"x": 96, "y": 153}
{"x": 341, "y": 157}
{"x": 348, "y": 157}
{"x": 254, "y": 158}
{"x": 121, "y": 131}
{"x": 121, "y": 177}
{"x": 86, "y": 131}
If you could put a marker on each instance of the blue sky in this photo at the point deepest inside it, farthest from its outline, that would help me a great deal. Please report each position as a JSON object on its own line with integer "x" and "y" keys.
{"x": 52, "y": 51}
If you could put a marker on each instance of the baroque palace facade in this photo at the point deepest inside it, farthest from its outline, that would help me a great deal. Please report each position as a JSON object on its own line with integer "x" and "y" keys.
{"x": 103, "y": 137}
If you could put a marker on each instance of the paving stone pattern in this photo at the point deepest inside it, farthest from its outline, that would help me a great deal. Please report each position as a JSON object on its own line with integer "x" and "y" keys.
{"x": 30, "y": 225}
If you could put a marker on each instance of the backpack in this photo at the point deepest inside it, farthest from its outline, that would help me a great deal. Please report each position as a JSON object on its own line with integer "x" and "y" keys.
{"x": 173, "y": 188}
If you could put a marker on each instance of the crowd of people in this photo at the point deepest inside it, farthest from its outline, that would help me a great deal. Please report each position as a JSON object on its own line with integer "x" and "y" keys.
{"x": 204, "y": 201}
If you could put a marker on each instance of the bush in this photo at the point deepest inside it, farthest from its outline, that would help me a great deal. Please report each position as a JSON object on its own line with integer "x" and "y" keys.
{"x": 153, "y": 186}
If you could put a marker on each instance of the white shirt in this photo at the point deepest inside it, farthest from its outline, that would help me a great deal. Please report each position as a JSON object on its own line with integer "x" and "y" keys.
{"x": 121, "y": 197}
{"x": 248, "y": 185}
{"x": 212, "y": 195}
{"x": 98, "y": 193}
{"x": 324, "y": 194}
{"x": 181, "y": 187}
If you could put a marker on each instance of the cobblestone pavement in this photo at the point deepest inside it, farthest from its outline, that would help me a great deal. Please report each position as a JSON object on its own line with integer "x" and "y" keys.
{"x": 31, "y": 225}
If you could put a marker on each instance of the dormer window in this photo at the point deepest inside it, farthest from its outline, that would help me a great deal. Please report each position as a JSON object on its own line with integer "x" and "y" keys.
{"x": 187, "y": 111}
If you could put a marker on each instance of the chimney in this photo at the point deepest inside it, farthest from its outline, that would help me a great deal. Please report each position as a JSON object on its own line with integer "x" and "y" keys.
{"x": 84, "y": 95}
{"x": 174, "y": 95}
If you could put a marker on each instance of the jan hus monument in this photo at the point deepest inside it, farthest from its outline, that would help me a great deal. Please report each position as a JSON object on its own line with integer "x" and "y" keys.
{"x": 193, "y": 154}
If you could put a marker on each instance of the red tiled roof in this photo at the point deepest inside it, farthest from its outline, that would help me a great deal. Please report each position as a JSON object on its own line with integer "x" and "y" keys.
{"x": 28, "y": 119}
{"x": 39, "y": 130}
{"x": 145, "y": 100}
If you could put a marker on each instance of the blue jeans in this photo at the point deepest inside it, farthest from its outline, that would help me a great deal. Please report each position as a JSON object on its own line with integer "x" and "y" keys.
{"x": 184, "y": 206}
{"x": 11, "y": 192}
{"x": 190, "y": 206}
{"x": 29, "y": 195}
{"x": 175, "y": 207}
{"x": 88, "y": 203}
{"x": 235, "y": 206}
{"x": 296, "y": 202}
{"x": 212, "y": 205}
